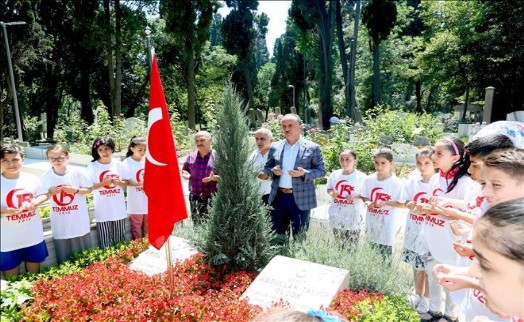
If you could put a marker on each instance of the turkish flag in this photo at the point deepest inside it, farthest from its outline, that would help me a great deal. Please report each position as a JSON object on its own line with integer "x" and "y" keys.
{"x": 162, "y": 183}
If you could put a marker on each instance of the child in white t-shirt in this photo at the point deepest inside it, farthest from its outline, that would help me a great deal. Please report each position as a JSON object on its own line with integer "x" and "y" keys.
{"x": 451, "y": 182}
{"x": 416, "y": 252}
{"x": 108, "y": 177}
{"x": 67, "y": 188}
{"x": 21, "y": 232}
{"x": 383, "y": 194}
{"x": 136, "y": 197}
{"x": 346, "y": 207}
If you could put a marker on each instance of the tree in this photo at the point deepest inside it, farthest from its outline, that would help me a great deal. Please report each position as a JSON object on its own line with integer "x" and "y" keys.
{"x": 239, "y": 229}
{"x": 260, "y": 50}
{"x": 239, "y": 34}
{"x": 451, "y": 48}
{"x": 25, "y": 48}
{"x": 500, "y": 59}
{"x": 215, "y": 30}
{"x": 289, "y": 70}
{"x": 187, "y": 24}
{"x": 379, "y": 17}
{"x": 318, "y": 16}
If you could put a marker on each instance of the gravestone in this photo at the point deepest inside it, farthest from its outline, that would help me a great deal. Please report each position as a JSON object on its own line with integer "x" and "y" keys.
{"x": 404, "y": 153}
{"x": 303, "y": 285}
{"x": 153, "y": 261}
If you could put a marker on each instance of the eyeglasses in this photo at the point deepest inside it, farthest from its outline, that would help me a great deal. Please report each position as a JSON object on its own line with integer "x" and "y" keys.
{"x": 14, "y": 161}
{"x": 59, "y": 159}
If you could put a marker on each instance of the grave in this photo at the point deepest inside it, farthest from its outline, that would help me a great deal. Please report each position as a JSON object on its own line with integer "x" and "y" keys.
{"x": 153, "y": 261}
{"x": 303, "y": 285}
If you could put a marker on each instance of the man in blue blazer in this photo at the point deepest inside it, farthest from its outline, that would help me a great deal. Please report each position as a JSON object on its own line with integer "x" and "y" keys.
{"x": 292, "y": 165}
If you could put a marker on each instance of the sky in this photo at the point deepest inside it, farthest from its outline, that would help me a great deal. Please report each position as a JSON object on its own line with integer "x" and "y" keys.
{"x": 277, "y": 12}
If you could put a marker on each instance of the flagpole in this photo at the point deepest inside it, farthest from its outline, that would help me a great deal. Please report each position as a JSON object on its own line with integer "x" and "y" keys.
{"x": 170, "y": 267}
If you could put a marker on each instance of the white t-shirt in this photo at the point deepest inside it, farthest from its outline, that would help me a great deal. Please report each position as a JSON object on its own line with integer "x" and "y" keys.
{"x": 437, "y": 229}
{"x": 419, "y": 192}
{"x": 110, "y": 204}
{"x": 474, "y": 304}
{"x": 136, "y": 197}
{"x": 69, "y": 213}
{"x": 259, "y": 163}
{"x": 346, "y": 214}
{"x": 382, "y": 225}
{"x": 476, "y": 205}
{"x": 24, "y": 229}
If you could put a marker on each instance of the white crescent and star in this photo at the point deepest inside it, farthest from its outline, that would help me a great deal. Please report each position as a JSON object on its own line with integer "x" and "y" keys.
{"x": 154, "y": 115}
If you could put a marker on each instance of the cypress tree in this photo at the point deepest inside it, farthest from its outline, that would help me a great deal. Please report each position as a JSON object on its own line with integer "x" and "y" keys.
{"x": 239, "y": 231}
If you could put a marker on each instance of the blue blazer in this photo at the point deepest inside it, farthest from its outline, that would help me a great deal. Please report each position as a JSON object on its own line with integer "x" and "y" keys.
{"x": 309, "y": 157}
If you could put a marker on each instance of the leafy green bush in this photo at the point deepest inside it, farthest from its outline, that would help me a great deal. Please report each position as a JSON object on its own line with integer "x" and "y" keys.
{"x": 180, "y": 131}
{"x": 367, "y": 270}
{"x": 44, "y": 211}
{"x": 78, "y": 136}
{"x": 390, "y": 308}
{"x": 13, "y": 294}
{"x": 381, "y": 126}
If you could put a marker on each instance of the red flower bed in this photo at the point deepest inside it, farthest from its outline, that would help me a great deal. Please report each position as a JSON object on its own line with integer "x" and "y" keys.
{"x": 110, "y": 291}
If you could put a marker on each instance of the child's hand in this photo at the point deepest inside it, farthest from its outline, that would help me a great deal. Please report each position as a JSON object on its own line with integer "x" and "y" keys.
{"x": 334, "y": 194}
{"x": 463, "y": 249}
{"x": 118, "y": 182}
{"x": 69, "y": 189}
{"x": 107, "y": 181}
{"x": 379, "y": 203}
{"x": 10, "y": 211}
{"x": 458, "y": 228}
{"x": 454, "y": 278}
{"x": 410, "y": 205}
{"x": 54, "y": 190}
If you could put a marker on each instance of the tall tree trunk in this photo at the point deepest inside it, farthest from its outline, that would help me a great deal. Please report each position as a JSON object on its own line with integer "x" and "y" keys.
{"x": 52, "y": 95}
{"x": 118, "y": 56}
{"x": 466, "y": 100}
{"x": 377, "y": 95}
{"x": 110, "y": 67}
{"x": 249, "y": 82}
{"x": 3, "y": 105}
{"x": 418, "y": 95}
{"x": 343, "y": 56}
{"x": 191, "y": 92}
{"x": 86, "y": 108}
{"x": 326, "y": 66}
{"x": 352, "y": 64}
{"x": 430, "y": 96}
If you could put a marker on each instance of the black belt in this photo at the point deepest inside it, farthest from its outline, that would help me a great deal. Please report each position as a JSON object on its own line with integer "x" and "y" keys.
{"x": 285, "y": 190}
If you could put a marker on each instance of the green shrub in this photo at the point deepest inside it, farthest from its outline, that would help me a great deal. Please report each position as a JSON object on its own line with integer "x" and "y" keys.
{"x": 367, "y": 270}
{"x": 44, "y": 211}
{"x": 13, "y": 294}
{"x": 239, "y": 229}
{"x": 390, "y": 308}
{"x": 381, "y": 126}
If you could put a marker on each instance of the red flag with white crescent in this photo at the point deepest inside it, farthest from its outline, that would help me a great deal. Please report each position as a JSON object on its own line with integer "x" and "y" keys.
{"x": 162, "y": 182}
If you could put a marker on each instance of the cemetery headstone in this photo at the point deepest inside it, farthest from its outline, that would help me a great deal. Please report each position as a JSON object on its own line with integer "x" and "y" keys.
{"x": 153, "y": 261}
{"x": 303, "y": 285}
